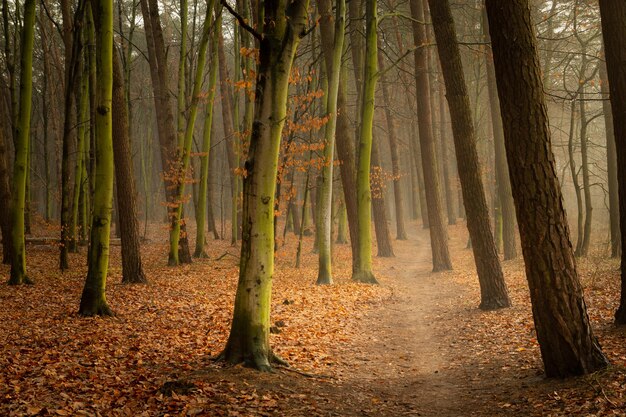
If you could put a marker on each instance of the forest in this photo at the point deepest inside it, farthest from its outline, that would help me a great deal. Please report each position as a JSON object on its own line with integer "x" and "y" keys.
{"x": 396, "y": 207}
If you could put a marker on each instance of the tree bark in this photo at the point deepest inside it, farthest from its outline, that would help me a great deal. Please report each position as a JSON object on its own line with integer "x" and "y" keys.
{"x": 395, "y": 160}
{"x": 18, "y": 264}
{"x": 492, "y": 286}
{"x": 332, "y": 48}
{"x": 505, "y": 196}
{"x": 93, "y": 300}
{"x": 248, "y": 341}
{"x": 438, "y": 232}
{"x": 5, "y": 196}
{"x": 132, "y": 267}
{"x": 568, "y": 345}
{"x": 613, "y": 15}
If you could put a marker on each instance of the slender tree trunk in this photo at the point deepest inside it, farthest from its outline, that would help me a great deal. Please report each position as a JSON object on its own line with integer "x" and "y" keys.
{"x": 613, "y": 15}
{"x": 93, "y": 300}
{"x": 438, "y": 232}
{"x": 395, "y": 159}
{"x": 18, "y": 264}
{"x": 332, "y": 47}
{"x": 443, "y": 133}
{"x": 383, "y": 236}
{"x": 492, "y": 286}
{"x": 5, "y": 197}
{"x": 574, "y": 173}
{"x": 584, "y": 151}
{"x": 206, "y": 144}
{"x": 567, "y": 343}
{"x": 611, "y": 162}
{"x": 132, "y": 268}
{"x": 248, "y": 341}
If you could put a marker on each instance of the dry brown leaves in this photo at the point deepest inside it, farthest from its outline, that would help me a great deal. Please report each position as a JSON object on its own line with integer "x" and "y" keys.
{"x": 153, "y": 358}
{"x": 498, "y": 351}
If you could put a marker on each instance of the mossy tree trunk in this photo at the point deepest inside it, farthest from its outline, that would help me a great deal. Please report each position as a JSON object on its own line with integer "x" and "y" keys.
{"x": 20, "y": 165}
{"x": 493, "y": 291}
{"x": 201, "y": 209}
{"x": 363, "y": 272}
{"x": 283, "y": 25}
{"x": 332, "y": 47}
{"x": 175, "y": 228}
{"x": 93, "y": 300}
{"x": 568, "y": 345}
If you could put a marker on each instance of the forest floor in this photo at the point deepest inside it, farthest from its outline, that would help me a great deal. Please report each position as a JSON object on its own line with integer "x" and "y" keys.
{"x": 415, "y": 345}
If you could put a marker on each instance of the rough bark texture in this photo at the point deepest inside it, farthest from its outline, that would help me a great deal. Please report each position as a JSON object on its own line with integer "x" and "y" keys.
{"x": 248, "y": 341}
{"x": 613, "y": 15}
{"x": 438, "y": 232}
{"x": 492, "y": 286}
{"x": 5, "y": 196}
{"x": 505, "y": 196}
{"x": 443, "y": 134}
{"x": 568, "y": 345}
{"x": 132, "y": 268}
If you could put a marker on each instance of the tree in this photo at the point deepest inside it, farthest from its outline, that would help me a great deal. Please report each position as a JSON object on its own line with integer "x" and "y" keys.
{"x": 206, "y": 143}
{"x": 568, "y": 345}
{"x": 614, "y": 33}
{"x": 363, "y": 272}
{"x": 93, "y": 300}
{"x": 132, "y": 267}
{"x": 282, "y": 27}
{"x": 20, "y": 166}
{"x": 332, "y": 49}
{"x": 504, "y": 195}
{"x": 185, "y": 148}
{"x": 492, "y": 286}
{"x": 438, "y": 232}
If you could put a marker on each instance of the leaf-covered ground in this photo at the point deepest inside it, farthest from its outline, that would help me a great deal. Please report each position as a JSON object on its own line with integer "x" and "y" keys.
{"x": 415, "y": 345}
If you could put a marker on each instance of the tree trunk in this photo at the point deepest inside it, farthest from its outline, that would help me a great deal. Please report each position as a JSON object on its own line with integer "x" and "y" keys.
{"x": 505, "y": 196}
{"x": 93, "y": 300}
{"x": 5, "y": 196}
{"x": 18, "y": 264}
{"x": 395, "y": 160}
{"x": 611, "y": 162}
{"x": 332, "y": 47}
{"x": 132, "y": 268}
{"x": 164, "y": 113}
{"x": 248, "y": 341}
{"x": 438, "y": 232}
{"x": 229, "y": 134}
{"x": 567, "y": 343}
{"x": 492, "y": 286}
{"x": 613, "y": 15}
{"x": 443, "y": 133}
{"x": 206, "y": 144}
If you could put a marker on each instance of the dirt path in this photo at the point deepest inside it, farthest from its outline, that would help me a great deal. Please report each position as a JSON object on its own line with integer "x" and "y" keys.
{"x": 400, "y": 360}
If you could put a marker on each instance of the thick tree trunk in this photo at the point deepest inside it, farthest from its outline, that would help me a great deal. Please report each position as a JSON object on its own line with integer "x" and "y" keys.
{"x": 18, "y": 264}
{"x": 492, "y": 286}
{"x": 132, "y": 268}
{"x": 613, "y": 16}
{"x": 438, "y": 232}
{"x": 567, "y": 343}
{"x": 505, "y": 196}
{"x": 248, "y": 341}
{"x": 93, "y": 300}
